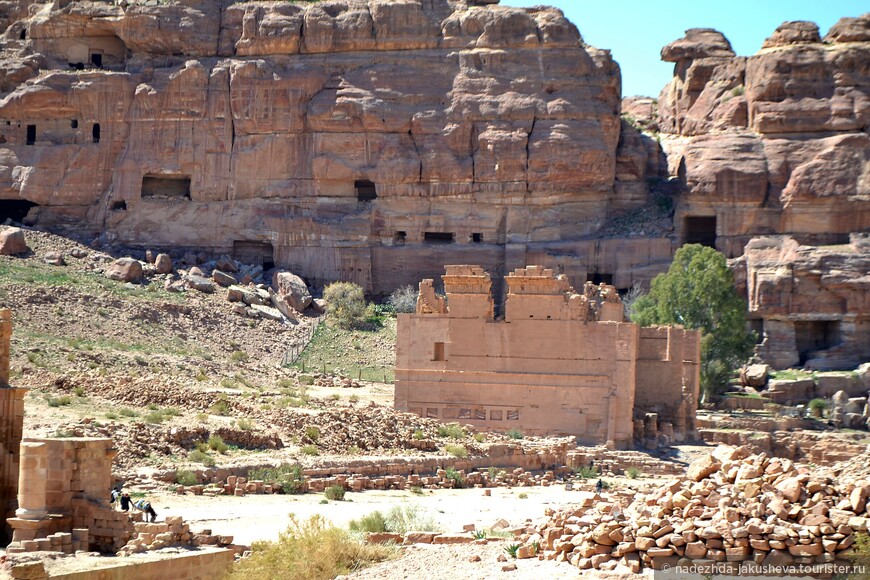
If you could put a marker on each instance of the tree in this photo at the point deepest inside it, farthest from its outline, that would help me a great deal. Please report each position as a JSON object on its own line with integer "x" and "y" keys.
{"x": 404, "y": 299}
{"x": 698, "y": 292}
{"x": 346, "y": 304}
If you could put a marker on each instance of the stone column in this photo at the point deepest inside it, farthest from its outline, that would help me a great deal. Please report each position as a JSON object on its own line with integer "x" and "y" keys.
{"x": 611, "y": 418}
{"x": 33, "y": 481}
{"x": 5, "y": 336}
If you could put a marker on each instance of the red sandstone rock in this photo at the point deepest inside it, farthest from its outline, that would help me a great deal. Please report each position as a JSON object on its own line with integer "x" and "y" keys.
{"x": 12, "y": 242}
{"x": 125, "y": 270}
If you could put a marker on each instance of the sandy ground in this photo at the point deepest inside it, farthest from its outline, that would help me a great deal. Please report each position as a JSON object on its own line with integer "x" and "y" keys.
{"x": 263, "y": 517}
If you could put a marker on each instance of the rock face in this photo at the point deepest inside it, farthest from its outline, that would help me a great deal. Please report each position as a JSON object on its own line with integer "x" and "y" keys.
{"x": 777, "y": 143}
{"x": 301, "y": 134}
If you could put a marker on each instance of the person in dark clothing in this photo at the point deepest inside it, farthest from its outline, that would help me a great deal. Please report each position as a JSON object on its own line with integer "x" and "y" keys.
{"x": 145, "y": 506}
{"x": 599, "y": 486}
{"x": 125, "y": 502}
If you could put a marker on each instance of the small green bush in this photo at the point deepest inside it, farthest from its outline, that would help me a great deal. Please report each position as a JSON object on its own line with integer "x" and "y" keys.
{"x": 239, "y": 356}
{"x": 288, "y": 476}
{"x": 310, "y": 450}
{"x": 334, "y": 493}
{"x": 125, "y": 412}
{"x": 221, "y": 407}
{"x": 199, "y": 457}
{"x": 452, "y": 431}
{"x": 407, "y": 518}
{"x": 586, "y": 472}
{"x": 456, "y": 450}
{"x": 312, "y": 433}
{"x": 61, "y": 401}
{"x": 216, "y": 443}
{"x": 374, "y": 522}
{"x": 155, "y": 417}
{"x": 79, "y": 391}
{"x": 244, "y": 424}
{"x": 632, "y": 472}
{"x": 111, "y": 416}
{"x": 453, "y": 475}
{"x": 346, "y": 304}
{"x": 515, "y": 434}
{"x": 185, "y": 477}
{"x": 512, "y": 549}
{"x": 418, "y": 434}
{"x": 523, "y": 496}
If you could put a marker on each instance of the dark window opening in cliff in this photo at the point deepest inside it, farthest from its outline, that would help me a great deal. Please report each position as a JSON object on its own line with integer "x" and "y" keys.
{"x": 95, "y": 133}
{"x": 14, "y": 209}
{"x": 476, "y": 238}
{"x": 177, "y": 187}
{"x": 814, "y": 335}
{"x": 700, "y": 230}
{"x": 31, "y": 134}
{"x": 23, "y": 35}
{"x": 119, "y": 205}
{"x": 756, "y": 326}
{"x": 597, "y": 278}
{"x": 97, "y": 59}
{"x": 254, "y": 252}
{"x": 399, "y": 238}
{"x": 77, "y": 65}
{"x": 438, "y": 237}
{"x": 74, "y": 124}
{"x": 365, "y": 190}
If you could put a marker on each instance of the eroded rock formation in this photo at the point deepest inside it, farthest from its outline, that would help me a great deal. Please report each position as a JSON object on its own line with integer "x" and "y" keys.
{"x": 375, "y": 141}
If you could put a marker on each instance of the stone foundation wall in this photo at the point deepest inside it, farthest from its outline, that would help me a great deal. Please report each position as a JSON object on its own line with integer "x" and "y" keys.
{"x": 11, "y": 428}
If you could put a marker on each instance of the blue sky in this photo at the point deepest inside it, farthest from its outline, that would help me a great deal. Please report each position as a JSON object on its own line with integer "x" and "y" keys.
{"x": 635, "y": 31}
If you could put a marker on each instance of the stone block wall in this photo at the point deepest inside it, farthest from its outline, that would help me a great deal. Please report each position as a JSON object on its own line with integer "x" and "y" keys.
{"x": 550, "y": 367}
{"x": 64, "y": 484}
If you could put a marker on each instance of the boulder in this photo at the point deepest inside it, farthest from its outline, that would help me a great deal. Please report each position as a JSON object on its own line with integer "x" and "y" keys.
{"x": 702, "y": 467}
{"x": 163, "y": 263}
{"x": 755, "y": 375}
{"x": 292, "y": 288}
{"x": 200, "y": 283}
{"x": 222, "y": 279}
{"x": 12, "y": 242}
{"x": 54, "y": 259}
{"x": 790, "y": 488}
{"x": 226, "y": 264}
{"x": 125, "y": 270}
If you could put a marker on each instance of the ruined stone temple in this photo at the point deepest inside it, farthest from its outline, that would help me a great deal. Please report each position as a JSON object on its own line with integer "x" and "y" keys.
{"x": 559, "y": 362}
{"x": 375, "y": 141}
{"x": 53, "y": 492}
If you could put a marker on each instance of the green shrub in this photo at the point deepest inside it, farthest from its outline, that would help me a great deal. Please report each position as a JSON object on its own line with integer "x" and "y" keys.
{"x": 456, "y": 450}
{"x": 453, "y": 475}
{"x": 310, "y": 550}
{"x": 125, "y": 412}
{"x": 199, "y": 457}
{"x": 312, "y": 433}
{"x": 171, "y": 412}
{"x": 515, "y": 434}
{"x": 239, "y": 356}
{"x": 111, "y": 416}
{"x": 407, "y": 518}
{"x": 310, "y": 450}
{"x": 817, "y": 407}
{"x": 334, "y": 492}
{"x": 244, "y": 424}
{"x": 480, "y": 437}
{"x": 586, "y": 472}
{"x": 288, "y": 476}
{"x": 221, "y": 407}
{"x": 185, "y": 477}
{"x": 523, "y": 496}
{"x": 418, "y": 434}
{"x": 155, "y": 417}
{"x": 632, "y": 472}
{"x": 303, "y": 380}
{"x": 216, "y": 443}
{"x": 79, "y": 391}
{"x": 374, "y": 522}
{"x": 61, "y": 401}
{"x": 512, "y": 549}
{"x": 452, "y": 431}
{"x": 346, "y": 304}
{"x": 416, "y": 490}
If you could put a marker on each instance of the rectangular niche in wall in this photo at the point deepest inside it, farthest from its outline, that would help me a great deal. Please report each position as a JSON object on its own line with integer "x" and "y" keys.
{"x": 700, "y": 230}
{"x": 438, "y": 237}
{"x": 254, "y": 252}
{"x": 815, "y": 335}
{"x": 166, "y": 186}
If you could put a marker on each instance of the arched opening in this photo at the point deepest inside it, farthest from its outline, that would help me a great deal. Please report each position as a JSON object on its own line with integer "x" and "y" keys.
{"x": 119, "y": 205}
{"x": 700, "y": 230}
{"x": 15, "y": 209}
{"x": 95, "y": 132}
{"x": 23, "y": 35}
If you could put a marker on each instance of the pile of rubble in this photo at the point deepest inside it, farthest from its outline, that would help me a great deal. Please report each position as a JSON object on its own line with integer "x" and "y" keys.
{"x": 171, "y": 532}
{"x": 329, "y": 380}
{"x": 730, "y": 506}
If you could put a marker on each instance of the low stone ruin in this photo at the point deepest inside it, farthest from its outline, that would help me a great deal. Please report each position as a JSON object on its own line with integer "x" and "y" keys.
{"x": 729, "y": 507}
